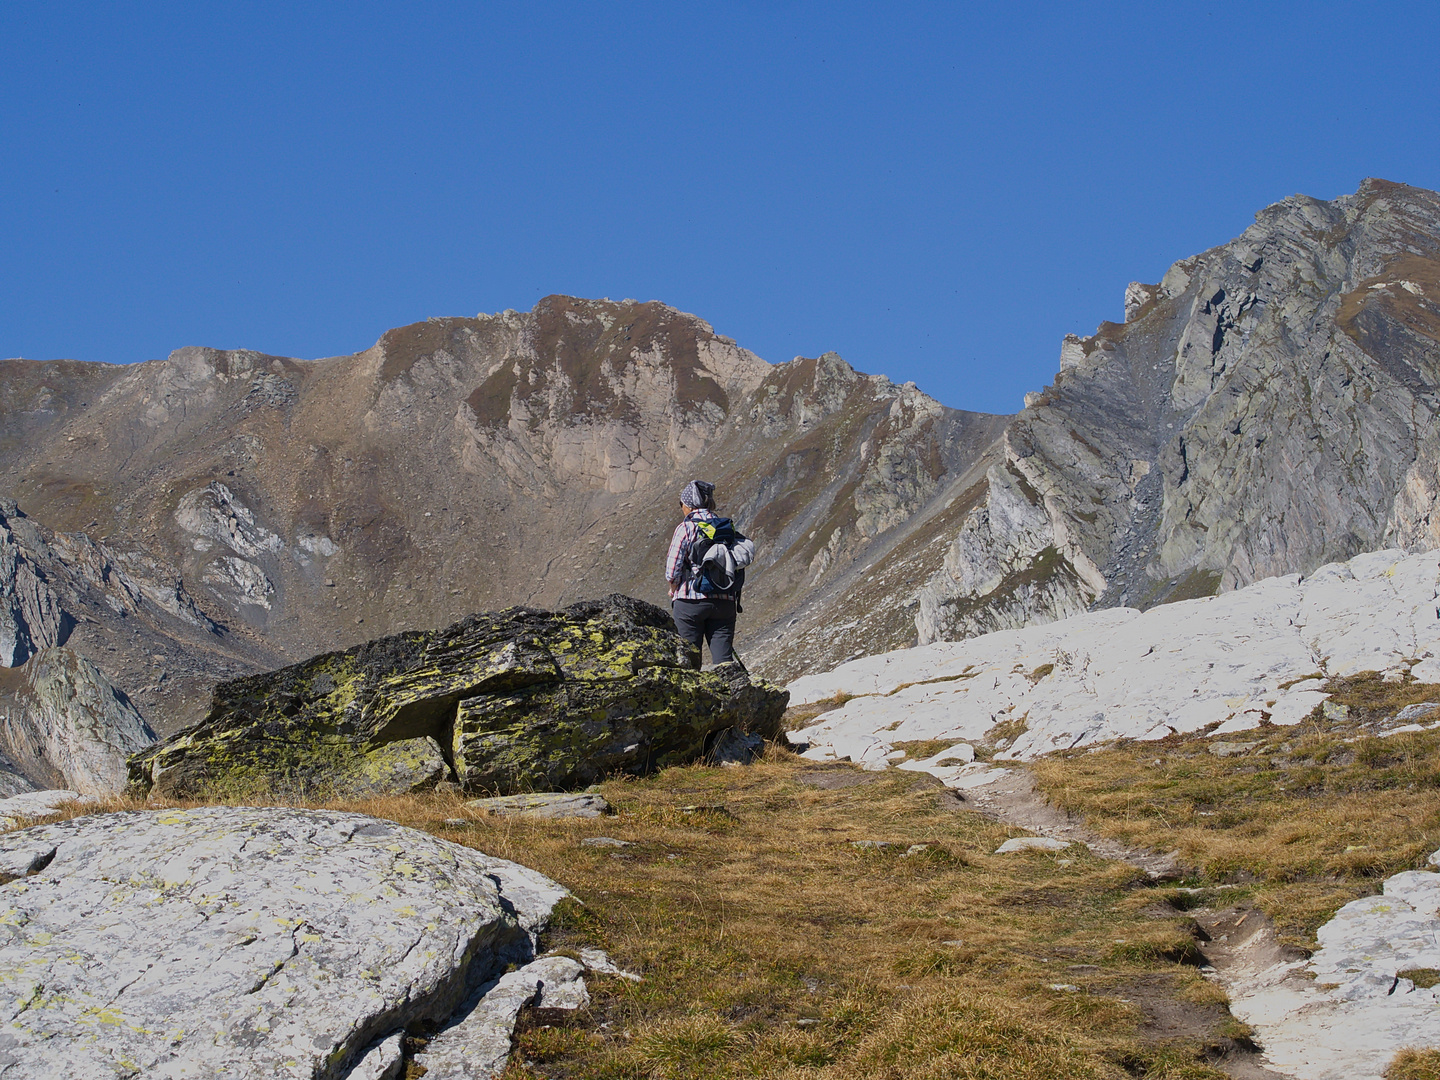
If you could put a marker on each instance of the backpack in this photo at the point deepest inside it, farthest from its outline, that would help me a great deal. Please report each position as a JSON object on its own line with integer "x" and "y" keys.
{"x": 717, "y": 558}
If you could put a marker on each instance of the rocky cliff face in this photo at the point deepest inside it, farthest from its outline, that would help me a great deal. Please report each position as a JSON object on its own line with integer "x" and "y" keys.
{"x": 67, "y": 726}
{"x": 1267, "y": 407}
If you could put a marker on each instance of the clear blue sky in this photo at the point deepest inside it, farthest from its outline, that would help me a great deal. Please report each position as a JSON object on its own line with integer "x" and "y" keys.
{"x": 938, "y": 192}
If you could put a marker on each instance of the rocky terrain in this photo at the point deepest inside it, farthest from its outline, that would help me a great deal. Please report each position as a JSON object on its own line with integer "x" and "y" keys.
{"x": 1234, "y": 669}
{"x": 1222, "y": 665}
{"x": 1266, "y": 408}
{"x": 1269, "y": 406}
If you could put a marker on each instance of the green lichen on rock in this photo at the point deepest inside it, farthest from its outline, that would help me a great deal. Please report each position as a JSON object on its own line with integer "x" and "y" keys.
{"x": 503, "y": 701}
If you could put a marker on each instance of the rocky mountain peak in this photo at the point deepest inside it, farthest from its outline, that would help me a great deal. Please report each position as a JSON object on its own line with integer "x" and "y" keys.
{"x": 1261, "y": 411}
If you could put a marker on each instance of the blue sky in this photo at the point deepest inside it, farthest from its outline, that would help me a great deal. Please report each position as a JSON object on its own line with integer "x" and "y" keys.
{"x": 938, "y": 192}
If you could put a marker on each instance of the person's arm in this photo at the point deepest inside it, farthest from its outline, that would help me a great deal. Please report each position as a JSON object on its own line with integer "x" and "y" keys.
{"x": 675, "y": 559}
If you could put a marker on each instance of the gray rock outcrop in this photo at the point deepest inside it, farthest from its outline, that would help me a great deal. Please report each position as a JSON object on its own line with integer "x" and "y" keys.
{"x": 123, "y": 609}
{"x": 511, "y": 701}
{"x": 68, "y": 726}
{"x": 31, "y": 617}
{"x": 242, "y": 942}
{"x": 13, "y": 780}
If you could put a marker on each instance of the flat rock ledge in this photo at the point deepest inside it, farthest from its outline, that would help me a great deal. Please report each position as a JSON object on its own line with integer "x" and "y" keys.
{"x": 1344, "y": 1012}
{"x": 252, "y": 942}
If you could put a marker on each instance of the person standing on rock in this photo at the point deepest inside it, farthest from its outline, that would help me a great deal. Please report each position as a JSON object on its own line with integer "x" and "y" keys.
{"x": 705, "y": 569}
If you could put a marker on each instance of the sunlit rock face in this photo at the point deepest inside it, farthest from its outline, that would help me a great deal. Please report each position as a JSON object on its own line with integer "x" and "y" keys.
{"x": 1267, "y": 407}
{"x": 1223, "y": 664}
{"x": 245, "y": 942}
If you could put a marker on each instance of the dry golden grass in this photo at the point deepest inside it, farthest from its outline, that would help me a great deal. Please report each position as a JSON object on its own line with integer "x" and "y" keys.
{"x": 772, "y": 947}
{"x": 1413, "y": 1064}
{"x": 1313, "y": 815}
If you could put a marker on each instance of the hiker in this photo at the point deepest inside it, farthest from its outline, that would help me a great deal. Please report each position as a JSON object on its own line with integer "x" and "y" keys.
{"x": 705, "y": 569}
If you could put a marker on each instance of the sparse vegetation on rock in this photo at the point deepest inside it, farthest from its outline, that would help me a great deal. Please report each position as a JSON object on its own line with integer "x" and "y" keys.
{"x": 511, "y": 701}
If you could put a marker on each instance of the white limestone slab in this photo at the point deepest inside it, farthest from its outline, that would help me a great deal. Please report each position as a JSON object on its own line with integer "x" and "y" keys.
{"x": 243, "y": 942}
{"x": 1252, "y": 655}
{"x": 1346, "y": 1012}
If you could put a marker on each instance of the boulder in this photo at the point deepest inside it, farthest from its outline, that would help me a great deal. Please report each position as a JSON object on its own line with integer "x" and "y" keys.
{"x": 248, "y": 943}
{"x": 67, "y": 725}
{"x": 514, "y": 701}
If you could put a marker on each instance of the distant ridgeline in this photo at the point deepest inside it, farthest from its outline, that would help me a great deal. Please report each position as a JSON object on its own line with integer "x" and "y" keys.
{"x": 1266, "y": 408}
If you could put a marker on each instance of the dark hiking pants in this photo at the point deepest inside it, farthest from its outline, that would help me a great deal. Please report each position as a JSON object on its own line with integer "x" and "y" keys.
{"x": 710, "y": 621}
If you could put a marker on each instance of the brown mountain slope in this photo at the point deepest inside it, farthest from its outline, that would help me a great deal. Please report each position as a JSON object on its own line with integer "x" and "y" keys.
{"x": 1269, "y": 406}
{"x": 463, "y": 464}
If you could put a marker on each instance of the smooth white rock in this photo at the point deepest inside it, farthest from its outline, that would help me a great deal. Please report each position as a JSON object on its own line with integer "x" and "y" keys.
{"x": 544, "y": 804}
{"x": 243, "y": 942}
{"x": 1031, "y": 843}
{"x": 1230, "y": 660}
{"x": 1344, "y": 1014}
{"x": 599, "y": 960}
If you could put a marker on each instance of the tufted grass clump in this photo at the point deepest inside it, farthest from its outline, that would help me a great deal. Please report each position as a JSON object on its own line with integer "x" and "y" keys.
{"x": 1414, "y": 1063}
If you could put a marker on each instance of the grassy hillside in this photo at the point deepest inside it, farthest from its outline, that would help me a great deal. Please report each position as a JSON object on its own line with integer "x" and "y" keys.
{"x": 1303, "y": 819}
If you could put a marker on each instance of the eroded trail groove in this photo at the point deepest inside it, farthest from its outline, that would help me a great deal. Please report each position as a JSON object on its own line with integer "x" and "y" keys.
{"x": 1236, "y": 943}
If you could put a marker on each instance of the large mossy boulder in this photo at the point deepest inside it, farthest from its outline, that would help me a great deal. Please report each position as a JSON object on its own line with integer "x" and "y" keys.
{"x": 500, "y": 702}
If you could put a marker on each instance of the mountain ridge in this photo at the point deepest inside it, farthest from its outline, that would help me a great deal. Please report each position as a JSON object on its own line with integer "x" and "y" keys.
{"x": 1266, "y": 407}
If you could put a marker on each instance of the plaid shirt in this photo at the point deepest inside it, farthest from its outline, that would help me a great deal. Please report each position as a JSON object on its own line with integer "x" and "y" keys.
{"x": 681, "y": 588}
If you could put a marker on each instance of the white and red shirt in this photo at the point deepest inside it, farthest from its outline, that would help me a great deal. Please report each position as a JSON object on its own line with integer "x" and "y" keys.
{"x": 682, "y": 587}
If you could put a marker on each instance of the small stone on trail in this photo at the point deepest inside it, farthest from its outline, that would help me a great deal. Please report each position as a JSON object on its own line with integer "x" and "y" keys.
{"x": 604, "y": 841}
{"x": 1230, "y": 749}
{"x": 1031, "y": 843}
{"x": 544, "y": 804}
{"x": 1416, "y": 711}
{"x": 1067, "y": 988}
{"x": 599, "y": 960}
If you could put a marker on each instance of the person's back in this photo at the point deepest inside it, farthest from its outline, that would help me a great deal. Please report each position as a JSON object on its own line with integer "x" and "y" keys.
{"x": 704, "y": 611}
